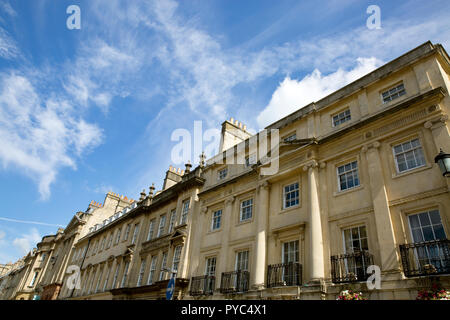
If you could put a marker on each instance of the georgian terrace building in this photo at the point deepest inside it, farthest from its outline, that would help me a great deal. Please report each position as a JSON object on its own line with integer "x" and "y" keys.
{"x": 52, "y": 281}
{"x": 357, "y": 186}
{"x": 133, "y": 254}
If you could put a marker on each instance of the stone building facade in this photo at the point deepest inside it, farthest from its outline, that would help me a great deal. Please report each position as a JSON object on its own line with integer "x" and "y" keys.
{"x": 301, "y": 210}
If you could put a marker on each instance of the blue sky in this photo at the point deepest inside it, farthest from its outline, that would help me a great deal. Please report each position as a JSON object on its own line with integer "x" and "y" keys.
{"x": 84, "y": 112}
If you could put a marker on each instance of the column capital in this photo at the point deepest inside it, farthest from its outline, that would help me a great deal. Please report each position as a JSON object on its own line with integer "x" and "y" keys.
{"x": 371, "y": 146}
{"x": 436, "y": 122}
{"x": 264, "y": 185}
{"x": 204, "y": 210}
{"x": 311, "y": 164}
{"x": 230, "y": 200}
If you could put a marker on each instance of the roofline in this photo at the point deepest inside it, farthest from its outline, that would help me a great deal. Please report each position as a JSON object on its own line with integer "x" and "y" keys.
{"x": 423, "y": 50}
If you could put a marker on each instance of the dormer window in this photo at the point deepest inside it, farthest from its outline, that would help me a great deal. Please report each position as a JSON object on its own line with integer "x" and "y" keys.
{"x": 393, "y": 93}
{"x": 222, "y": 174}
{"x": 290, "y": 137}
{"x": 341, "y": 117}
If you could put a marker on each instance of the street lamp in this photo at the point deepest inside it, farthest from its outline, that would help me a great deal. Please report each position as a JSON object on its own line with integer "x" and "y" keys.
{"x": 443, "y": 160}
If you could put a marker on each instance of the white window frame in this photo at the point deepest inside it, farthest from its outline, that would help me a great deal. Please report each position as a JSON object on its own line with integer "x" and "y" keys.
{"x": 151, "y": 230}
{"x": 141, "y": 273}
{"x": 290, "y": 137}
{"x": 222, "y": 173}
{"x": 420, "y": 224}
{"x": 99, "y": 279}
{"x": 116, "y": 275}
{"x": 238, "y": 259}
{"x": 107, "y": 277}
{"x": 347, "y": 172}
{"x": 176, "y": 257}
{"x": 127, "y": 232}
{"x": 242, "y": 207}
{"x": 284, "y": 195}
{"x": 152, "y": 270}
{"x": 359, "y": 237}
{"x": 410, "y": 150}
{"x": 216, "y": 219}
{"x": 403, "y": 89}
{"x": 119, "y": 231}
{"x": 33, "y": 280}
{"x": 125, "y": 274}
{"x": 162, "y": 225}
{"x": 210, "y": 264}
{"x": 185, "y": 211}
{"x": 172, "y": 220}
{"x": 296, "y": 251}
{"x": 162, "y": 272}
{"x": 342, "y": 117}
{"x": 135, "y": 233}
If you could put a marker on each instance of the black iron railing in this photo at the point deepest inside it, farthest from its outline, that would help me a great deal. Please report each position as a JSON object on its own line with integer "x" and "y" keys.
{"x": 284, "y": 274}
{"x": 202, "y": 285}
{"x": 426, "y": 258}
{"x": 350, "y": 267}
{"x": 234, "y": 281}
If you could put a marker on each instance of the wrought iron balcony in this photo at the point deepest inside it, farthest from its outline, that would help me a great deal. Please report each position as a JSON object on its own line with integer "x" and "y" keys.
{"x": 202, "y": 285}
{"x": 426, "y": 258}
{"x": 284, "y": 274}
{"x": 350, "y": 267}
{"x": 234, "y": 281}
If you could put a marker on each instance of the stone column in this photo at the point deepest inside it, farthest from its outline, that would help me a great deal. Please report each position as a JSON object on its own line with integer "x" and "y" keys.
{"x": 227, "y": 223}
{"x": 259, "y": 265}
{"x": 383, "y": 220}
{"x": 441, "y": 137}
{"x": 315, "y": 225}
{"x": 440, "y": 133}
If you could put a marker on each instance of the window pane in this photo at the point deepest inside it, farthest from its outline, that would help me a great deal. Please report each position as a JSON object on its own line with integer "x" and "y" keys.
{"x": 414, "y": 221}
{"x": 424, "y": 219}
{"x": 439, "y": 232}
{"x": 435, "y": 217}
{"x": 428, "y": 234}
{"x": 417, "y": 235}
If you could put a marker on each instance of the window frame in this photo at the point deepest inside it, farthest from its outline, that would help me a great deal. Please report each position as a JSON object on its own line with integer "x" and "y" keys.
{"x": 248, "y": 206}
{"x": 343, "y": 119}
{"x": 284, "y": 195}
{"x": 400, "y": 143}
{"x": 221, "y": 177}
{"x": 396, "y": 92}
{"x": 346, "y": 172}
{"x": 162, "y": 225}
{"x": 213, "y": 220}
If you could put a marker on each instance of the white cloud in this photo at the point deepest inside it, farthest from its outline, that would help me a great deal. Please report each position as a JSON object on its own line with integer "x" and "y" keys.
{"x": 6, "y": 6}
{"x": 293, "y": 94}
{"x": 37, "y": 133}
{"x": 27, "y": 241}
{"x": 8, "y": 47}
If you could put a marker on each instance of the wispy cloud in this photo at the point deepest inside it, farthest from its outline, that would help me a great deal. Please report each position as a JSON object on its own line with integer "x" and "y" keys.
{"x": 6, "y": 7}
{"x": 37, "y": 133}
{"x": 31, "y": 222}
{"x": 8, "y": 47}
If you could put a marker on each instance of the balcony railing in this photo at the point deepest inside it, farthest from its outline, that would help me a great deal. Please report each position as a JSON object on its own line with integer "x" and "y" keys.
{"x": 426, "y": 258}
{"x": 350, "y": 267}
{"x": 234, "y": 281}
{"x": 202, "y": 285}
{"x": 284, "y": 274}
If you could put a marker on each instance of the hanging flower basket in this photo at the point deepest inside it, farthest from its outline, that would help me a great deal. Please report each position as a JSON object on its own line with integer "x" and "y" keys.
{"x": 350, "y": 295}
{"x": 435, "y": 293}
